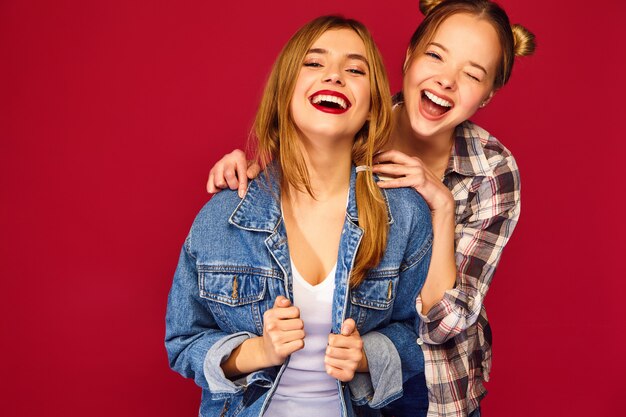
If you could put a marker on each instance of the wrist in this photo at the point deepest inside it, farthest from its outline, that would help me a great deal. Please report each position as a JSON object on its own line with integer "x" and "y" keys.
{"x": 445, "y": 205}
{"x": 363, "y": 365}
{"x": 252, "y": 351}
{"x": 443, "y": 218}
{"x": 257, "y": 345}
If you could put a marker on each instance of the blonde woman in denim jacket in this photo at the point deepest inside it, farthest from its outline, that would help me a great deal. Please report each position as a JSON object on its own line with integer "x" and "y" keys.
{"x": 458, "y": 58}
{"x": 315, "y": 213}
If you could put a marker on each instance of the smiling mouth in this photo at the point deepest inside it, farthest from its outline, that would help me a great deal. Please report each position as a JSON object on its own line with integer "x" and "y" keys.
{"x": 330, "y": 102}
{"x": 435, "y": 105}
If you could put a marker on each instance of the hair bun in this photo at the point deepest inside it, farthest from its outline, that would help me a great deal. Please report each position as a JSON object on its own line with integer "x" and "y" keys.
{"x": 523, "y": 41}
{"x": 427, "y": 5}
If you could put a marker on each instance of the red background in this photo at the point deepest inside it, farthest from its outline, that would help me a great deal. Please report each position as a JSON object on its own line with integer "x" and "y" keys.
{"x": 111, "y": 114}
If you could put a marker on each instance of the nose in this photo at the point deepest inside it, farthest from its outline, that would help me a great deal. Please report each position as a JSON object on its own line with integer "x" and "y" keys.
{"x": 334, "y": 76}
{"x": 447, "y": 80}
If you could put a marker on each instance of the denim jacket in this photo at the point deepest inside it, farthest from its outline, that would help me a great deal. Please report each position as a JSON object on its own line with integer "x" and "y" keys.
{"x": 231, "y": 271}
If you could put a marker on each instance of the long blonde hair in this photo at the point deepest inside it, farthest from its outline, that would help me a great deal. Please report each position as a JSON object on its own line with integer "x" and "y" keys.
{"x": 515, "y": 40}
{"x": 277, "y": 138}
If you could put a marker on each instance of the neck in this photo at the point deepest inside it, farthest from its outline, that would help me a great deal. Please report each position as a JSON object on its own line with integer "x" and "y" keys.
{"x": 329, "y": 163}
{"x": 434, "y": 150}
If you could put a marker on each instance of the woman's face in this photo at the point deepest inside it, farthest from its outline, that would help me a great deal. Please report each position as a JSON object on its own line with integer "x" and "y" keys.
{"x": 332, "y": 94}
{"x": 445, "y": 85}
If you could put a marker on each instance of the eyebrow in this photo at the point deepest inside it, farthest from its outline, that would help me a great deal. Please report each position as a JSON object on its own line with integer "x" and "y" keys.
{"x": 473, "y": 64}
{"x": 349, "y": 56}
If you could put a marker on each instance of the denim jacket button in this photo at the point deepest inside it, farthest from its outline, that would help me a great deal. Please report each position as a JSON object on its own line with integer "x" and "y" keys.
{"x": 420, "y": 341}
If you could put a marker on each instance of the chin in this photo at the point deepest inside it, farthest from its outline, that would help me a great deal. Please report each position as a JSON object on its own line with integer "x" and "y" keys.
{"x": 424, "y": 128}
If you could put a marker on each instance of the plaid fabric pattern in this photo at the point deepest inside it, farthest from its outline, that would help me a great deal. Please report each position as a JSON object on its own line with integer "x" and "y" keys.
{"x": 455, "y": 335}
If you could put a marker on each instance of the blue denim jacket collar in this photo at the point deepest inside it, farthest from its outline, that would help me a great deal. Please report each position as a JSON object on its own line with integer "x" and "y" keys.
{"x": 259, "y": 210}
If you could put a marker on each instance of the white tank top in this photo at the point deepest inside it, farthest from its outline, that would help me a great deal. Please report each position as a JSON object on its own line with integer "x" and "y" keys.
{"x": 305, "y": 389}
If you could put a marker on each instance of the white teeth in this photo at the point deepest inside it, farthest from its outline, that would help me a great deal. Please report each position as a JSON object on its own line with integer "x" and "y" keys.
{"x": 332, "y": 99}
{"x": 437, "y": 100}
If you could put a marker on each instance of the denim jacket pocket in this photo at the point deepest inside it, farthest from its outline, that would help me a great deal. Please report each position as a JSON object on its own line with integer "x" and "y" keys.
{"x": 233, "y": 294}
{"x": 373, "y": 298}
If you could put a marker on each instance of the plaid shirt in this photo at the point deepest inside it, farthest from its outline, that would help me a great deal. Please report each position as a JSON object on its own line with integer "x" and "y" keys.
{"x": 455, "y": 335}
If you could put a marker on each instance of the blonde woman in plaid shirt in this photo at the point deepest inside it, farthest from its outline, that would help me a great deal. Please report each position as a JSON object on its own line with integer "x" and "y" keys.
{"x": 458, "y": 58}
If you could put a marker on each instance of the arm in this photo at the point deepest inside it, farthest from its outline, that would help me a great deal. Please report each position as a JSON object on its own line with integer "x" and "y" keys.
{"x": 283, "y": 334}
{"x": 197, "y": 348}
{"x": 192, "y": 333}
{"x": 480, "y": 241}
{"x": 442, "y": 271}
{"x": 459, "y": 278}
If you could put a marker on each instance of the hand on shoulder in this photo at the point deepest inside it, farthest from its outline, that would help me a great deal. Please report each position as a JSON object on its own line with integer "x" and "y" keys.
{"x": 233, "y": 172}
{"x": 410, "y": 171}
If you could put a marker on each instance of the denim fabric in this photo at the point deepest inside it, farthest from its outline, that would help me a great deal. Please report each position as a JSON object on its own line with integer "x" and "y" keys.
{"x": 414, "y": 402}
{"x": 230, "y": 273}
{"x": 376, "y": 388}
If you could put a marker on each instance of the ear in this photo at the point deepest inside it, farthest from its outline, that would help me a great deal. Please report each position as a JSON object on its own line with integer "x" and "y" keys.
{"x": 488, "y": 99}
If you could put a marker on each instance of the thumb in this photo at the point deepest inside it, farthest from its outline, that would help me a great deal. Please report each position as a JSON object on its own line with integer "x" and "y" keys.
{"x": 281, "y": 302}
{"x": 253, "y": 170}
{"x": 348, "y": 327}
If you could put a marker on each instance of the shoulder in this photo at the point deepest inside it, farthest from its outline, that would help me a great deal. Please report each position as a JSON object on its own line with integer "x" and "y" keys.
{"x": 408, "y": 211}
{"x": 491, "y": 165}
{"x": 405, "y": 202}
{"x": 498, "y": 156}
{"x": 410, "y": 228}
{"x": 500, "y": 185}
{"x": 216, "y": 212}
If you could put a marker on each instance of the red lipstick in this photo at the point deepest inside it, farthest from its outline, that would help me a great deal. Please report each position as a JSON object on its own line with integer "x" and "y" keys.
{"x": 330, "y": 101}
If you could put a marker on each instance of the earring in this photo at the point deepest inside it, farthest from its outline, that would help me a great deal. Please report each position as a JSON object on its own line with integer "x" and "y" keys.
{"x": 483, "y": 104}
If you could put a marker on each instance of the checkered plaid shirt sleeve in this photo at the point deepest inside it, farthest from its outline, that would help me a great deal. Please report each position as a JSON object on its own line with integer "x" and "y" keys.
{"x": 480, "y": 239}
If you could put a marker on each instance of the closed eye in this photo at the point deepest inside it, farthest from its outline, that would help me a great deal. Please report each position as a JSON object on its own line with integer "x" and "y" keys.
{"x": 433, "y": 55}
{"x": 472, "y": 77}
{"x": 313, "y": 64}
{"x": 356, "y": 71}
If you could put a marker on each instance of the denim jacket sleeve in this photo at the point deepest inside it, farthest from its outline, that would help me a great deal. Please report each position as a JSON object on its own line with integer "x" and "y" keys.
{"x": 394, "y": 346}
{"x": 195, "y": 344}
